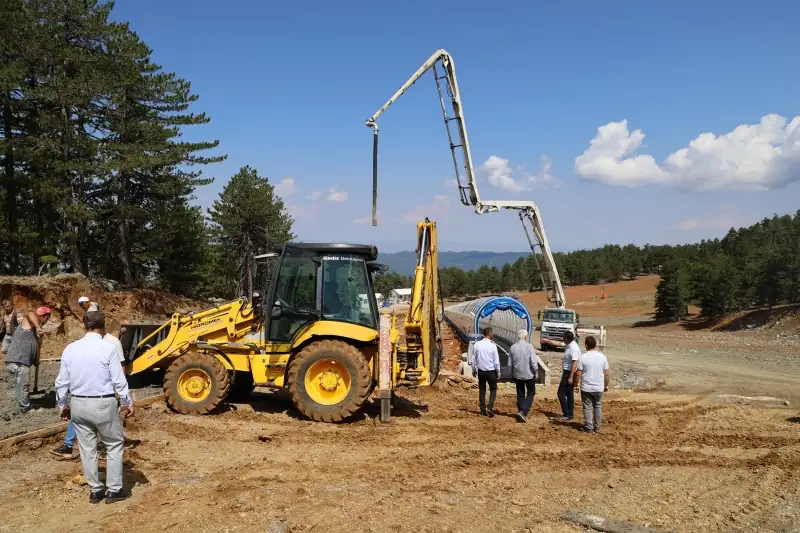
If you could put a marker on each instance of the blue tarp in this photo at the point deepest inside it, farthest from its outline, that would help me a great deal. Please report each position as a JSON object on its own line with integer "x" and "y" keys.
{"x": 502, "y": 303}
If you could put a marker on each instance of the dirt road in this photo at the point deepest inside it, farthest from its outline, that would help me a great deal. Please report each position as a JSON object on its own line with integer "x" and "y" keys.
{"x": 669, "y": 461}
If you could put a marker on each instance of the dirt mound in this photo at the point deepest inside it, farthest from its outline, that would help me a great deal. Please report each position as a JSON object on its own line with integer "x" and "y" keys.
{"x": 61, "y": 294}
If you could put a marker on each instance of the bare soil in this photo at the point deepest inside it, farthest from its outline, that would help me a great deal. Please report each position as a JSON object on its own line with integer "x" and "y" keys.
{"x": 677, "y": 451}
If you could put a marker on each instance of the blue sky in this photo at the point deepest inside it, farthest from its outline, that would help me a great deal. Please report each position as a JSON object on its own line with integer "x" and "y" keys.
{"x": 289, "y": 85}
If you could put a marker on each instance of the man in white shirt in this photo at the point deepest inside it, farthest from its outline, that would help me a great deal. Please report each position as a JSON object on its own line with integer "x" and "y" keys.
{"x": 487, "y": 365}
{"x": 92, "y": 374}
{"x": 65, "y": 451}
{"x": 593, "y": 373}
{"x": 569, "y": 366}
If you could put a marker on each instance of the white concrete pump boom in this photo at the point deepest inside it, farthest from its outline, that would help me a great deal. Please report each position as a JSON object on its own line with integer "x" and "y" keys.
{"x": 468, "y": 190}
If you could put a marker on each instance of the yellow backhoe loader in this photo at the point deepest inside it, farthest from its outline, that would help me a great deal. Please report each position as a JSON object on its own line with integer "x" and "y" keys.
{"x": 315, "y": 329}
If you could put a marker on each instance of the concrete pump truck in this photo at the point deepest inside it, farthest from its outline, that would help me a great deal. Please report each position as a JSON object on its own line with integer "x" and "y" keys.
{"x": 554, "y": 319}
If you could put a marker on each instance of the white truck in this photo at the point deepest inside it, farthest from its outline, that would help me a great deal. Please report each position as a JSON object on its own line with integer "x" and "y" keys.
{"x": 555, "y": 321}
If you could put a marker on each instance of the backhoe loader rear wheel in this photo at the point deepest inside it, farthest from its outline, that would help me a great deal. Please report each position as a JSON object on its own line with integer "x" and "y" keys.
{"x": 196, "y": 383}
{"x": 329, "y": 380}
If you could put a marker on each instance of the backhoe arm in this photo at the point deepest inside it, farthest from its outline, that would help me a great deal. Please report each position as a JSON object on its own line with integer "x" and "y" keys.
{"x": 420, "y": 356}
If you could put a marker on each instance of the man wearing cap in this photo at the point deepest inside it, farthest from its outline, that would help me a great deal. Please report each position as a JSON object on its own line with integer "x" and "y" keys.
{"x": 88, "y": 306}
{"x": 92, "y": 374}
{"x": 24, "y": 352}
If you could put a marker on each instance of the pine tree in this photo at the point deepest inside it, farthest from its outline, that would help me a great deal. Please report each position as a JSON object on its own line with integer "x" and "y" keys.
{"x": 670, "y": 295}
{"x": 248, "y": 219}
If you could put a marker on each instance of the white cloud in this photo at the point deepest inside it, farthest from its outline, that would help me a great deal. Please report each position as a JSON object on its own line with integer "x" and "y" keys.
{"x": 314, "y": 196}
{"x": 712, "y": 222}
{"x": 440, "y": 205}
{"x": 752, "y": 157}
{"x": 285, "y": 188}
{"x": 453, "y": 183}
{"x": 302, "y": 212}
{"x": 501, "y": 175}
{"x": 335, "y": 196}
{"x": 368, "y": 220}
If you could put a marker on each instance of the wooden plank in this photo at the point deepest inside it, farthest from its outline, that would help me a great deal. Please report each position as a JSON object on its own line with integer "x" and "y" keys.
{"x": 608, "y": 525}
{"x": 62, "y": 426}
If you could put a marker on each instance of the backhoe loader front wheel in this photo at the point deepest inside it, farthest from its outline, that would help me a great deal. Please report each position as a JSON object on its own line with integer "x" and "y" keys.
{"x": 196, "y": 383}
{"x": 329, "y": 380}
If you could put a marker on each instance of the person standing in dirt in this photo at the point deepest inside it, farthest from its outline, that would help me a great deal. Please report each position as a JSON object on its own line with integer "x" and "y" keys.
{"x": 569, "y": 366}
{"x": 524, "y": 369}
{"x": 593, "y": 373}
{"x": 91, "y": 373}
{"x": 66, "y": 450}
{"x": 87, "y": 305}
{"x": 8, "y": 325}
{"x": 24, "y": 352}
{"x": 487, "y": 367}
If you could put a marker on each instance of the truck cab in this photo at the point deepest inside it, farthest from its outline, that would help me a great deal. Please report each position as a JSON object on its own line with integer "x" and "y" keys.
{"x": 553, "y": 323}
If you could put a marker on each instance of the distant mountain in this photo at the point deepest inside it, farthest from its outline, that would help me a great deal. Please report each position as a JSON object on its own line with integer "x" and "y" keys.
{"x": 404, "y": 262}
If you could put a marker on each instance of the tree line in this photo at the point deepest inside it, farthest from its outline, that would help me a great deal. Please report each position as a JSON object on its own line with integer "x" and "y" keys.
{"x": 753, "y": 267}
{"x": 95, "y": 176}
{"x": 750, "y": 267}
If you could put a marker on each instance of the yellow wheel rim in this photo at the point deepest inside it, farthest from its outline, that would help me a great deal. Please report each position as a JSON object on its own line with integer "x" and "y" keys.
{"x": 194, "y": 385}
{"x": 327, "y": 382}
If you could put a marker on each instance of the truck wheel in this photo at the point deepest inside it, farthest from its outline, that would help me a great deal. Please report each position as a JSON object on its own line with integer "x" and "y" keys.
{"x": 329, "y": 380}
{"x": 196, "y": 383}
{"x": 242, "y": 386}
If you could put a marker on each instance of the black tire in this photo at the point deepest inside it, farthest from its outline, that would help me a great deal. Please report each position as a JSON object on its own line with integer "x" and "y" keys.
{"x": 208, "y": 364}
{"x": 351, "y": 359}
{"x": 242, "y": 387}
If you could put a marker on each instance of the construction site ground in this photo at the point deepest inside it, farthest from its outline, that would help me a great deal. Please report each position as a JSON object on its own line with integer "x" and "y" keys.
{"x": 697, "y": 436}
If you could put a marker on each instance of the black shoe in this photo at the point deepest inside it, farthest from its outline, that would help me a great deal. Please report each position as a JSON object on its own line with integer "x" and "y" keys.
{"x": 521, "y": 418}
{"x": 483, "y": 412}
{"x": 118, "y": 496}
{"x": 490, "y": 413}
{"x": 62, "y": 451}
{"x": 96, "y": 496}
{"x": 31, "y": 407}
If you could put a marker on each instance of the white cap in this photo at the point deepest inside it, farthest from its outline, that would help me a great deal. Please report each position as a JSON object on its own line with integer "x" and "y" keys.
{"x": 83, "y": 299}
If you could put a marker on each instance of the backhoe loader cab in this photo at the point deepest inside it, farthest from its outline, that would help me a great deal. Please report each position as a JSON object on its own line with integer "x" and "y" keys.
{"x": 320, "y": 282}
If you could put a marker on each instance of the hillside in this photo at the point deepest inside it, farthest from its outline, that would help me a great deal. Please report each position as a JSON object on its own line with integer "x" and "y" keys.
{"x": 403, "y": 262}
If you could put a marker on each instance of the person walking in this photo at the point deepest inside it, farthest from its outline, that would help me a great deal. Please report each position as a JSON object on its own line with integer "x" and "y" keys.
{"x": 524, "y": 370}
{"x": 487, "y": 367}
{"x": 569, "y": 366}
{"x": 66, "y": 450}
{"x": 91, "y": 373}
{"x": 24, "y": 352}
{"x": 8, "y": 325}
{"x": 593, "y": 373}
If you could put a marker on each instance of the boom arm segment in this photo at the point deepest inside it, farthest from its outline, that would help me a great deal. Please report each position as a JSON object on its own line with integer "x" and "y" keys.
{"x": 468, "y": 189}
{"x": 467, "y": 186}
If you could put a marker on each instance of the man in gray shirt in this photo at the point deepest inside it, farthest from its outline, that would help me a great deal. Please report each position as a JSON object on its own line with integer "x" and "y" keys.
{"x": 524, "y": 369}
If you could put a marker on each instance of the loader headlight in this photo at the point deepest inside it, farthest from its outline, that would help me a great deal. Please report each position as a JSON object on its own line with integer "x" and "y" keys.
{"x": 544, "y": 329}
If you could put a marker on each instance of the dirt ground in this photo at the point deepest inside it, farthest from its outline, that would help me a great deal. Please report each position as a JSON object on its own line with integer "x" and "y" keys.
{"x": 697, "y": 436}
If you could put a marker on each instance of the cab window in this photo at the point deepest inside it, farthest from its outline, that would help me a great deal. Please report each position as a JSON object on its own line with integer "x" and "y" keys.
{"x": 295, "y": 294}
{"x": 347, "y": 292}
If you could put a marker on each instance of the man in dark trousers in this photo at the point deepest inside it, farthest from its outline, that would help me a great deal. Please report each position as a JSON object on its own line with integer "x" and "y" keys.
{"x": 524, "y": 369}
{"x": 569, "y": 366}
{"x": 92, "y": 374}
{"x": 486, "y": 365}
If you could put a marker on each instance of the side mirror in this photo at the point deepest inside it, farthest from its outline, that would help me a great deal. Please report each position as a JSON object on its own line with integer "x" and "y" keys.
{"x": 539, "y": 315}
{"x": 276, "y": 311}
{"x": 577, "y": 317}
